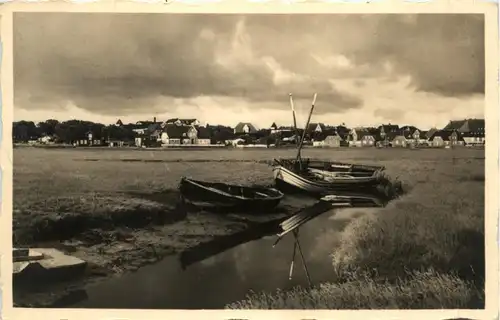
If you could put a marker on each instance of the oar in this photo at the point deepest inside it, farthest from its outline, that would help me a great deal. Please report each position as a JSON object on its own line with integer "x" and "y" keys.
{"x": 294, "y": 120}
{"x": 305, "y": 128}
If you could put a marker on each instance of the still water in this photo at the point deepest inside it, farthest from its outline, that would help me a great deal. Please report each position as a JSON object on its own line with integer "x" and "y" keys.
{"x": 227, "y": 276}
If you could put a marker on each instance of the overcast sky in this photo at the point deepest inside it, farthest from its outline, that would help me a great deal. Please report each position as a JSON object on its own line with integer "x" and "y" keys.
{"x": 367, "y": 69}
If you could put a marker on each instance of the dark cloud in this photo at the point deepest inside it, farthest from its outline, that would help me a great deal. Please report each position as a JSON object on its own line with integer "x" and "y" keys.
{"x": 111, "y": 63}
{"x": 443, "y": 53}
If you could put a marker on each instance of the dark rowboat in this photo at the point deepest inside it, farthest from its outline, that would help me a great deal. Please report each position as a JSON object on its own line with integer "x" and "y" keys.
{"x": 237, "y": 198}
{"x": 322, "y": 177}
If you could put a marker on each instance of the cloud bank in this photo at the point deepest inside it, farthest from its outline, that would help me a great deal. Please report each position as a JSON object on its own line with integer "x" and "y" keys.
{"x": 231, "y": 68}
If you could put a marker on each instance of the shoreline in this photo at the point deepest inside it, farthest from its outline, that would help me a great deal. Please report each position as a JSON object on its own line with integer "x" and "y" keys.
{"x": 114, "y": 253}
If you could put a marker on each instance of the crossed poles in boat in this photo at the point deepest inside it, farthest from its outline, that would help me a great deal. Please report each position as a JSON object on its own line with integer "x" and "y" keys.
{"x": 295, "y": 229}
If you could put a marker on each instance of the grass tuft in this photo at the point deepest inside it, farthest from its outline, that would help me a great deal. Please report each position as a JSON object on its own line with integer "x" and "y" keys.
{"x": 419, "y": 290}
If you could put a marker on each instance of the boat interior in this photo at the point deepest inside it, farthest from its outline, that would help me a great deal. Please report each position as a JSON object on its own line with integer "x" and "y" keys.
{"x": 240, "y": 191}
{"x": 317, "y": 170}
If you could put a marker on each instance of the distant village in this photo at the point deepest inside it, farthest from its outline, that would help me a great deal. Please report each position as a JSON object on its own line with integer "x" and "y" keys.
{"x": 191, "y": 133}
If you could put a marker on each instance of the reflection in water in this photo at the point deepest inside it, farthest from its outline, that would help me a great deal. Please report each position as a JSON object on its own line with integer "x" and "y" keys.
{"x": 214, "y": 274}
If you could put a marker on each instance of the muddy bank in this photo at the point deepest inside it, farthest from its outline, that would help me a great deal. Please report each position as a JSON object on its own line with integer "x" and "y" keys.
{"x": 115, "y": 236}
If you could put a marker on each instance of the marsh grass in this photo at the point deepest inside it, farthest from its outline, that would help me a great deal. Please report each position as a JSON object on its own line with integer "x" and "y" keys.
{"x": 418, "y": 290}
{"x": 389, "y": 187}
{"x": 424, "y": 250}
{"x": 60, "y": 218}
{"x": 437, "y": 226}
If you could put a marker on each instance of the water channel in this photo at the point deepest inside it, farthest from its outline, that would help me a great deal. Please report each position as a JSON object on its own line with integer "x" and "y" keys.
{"x": 227, "y": 276}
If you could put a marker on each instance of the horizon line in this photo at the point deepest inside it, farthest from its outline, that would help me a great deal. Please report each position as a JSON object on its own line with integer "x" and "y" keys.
{"x": 257, "y": 127}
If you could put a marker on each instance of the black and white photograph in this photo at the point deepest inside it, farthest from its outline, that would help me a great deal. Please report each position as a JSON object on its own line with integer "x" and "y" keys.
{"x": 252, "y": 160}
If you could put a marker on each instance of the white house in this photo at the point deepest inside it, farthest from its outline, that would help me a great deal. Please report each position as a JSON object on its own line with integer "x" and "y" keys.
{"x": 174, "y": 134}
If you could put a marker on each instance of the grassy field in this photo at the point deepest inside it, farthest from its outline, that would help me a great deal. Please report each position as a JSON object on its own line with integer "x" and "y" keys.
{"x": 117, "y": 209}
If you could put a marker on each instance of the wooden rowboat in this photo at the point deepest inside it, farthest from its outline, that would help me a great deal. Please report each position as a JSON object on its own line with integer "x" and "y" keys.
{"x": 323, "y": 177}
{"x": 236, "y": 198}
{"x": 332, "y": 166}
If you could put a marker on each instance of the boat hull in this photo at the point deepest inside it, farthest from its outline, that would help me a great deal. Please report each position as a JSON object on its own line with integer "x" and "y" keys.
{"x": 292, "y": 182}
{"x": 219, "y": 201}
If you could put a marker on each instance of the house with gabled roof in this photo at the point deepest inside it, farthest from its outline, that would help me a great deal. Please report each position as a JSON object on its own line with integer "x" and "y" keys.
{"x": 173, "y": 134}
{"x": 473, "y": 126}
{"x": 411, "y": 135}
{"x": 430, "y": 133}
{"x": 315, "y": 127}
{"x": 444, "y": 138}
{"x": 386, "y": 133}
{"x": 466, "y": 125}
{"x": 361, "y": 137}
{"x": 328, "y": 138}
{"x": 472, "y": 130}
{"x": 244, "y": 128}
{"x": 204, "y": 136}
{"x": 143, "y": 127}
{"x": 401, "y": 141}
{"x": 388, "y": 129}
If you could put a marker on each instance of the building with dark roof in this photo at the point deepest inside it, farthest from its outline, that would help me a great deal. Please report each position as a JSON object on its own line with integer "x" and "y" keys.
{"x": 466, "y": 125}
{"x": 315, "y": 127}
{"x": 244, "y": 127}
{"x": 472, "y": 131}
{"x": 175, "y": 134}
{"x": 442, "y": 138}
{"x": 204, "y": 136}
{"x": 361, "y": 137}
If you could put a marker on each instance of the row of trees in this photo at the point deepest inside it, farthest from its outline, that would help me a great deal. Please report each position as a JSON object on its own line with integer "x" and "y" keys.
{"x": 68, "y": 131}
{"x": 74, "y": 130}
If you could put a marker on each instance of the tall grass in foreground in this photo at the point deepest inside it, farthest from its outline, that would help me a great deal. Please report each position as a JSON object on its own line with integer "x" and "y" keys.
{"x": 425, "y": 250}
{"x": 439, "y": 225}
{"x": 420, "y": 290}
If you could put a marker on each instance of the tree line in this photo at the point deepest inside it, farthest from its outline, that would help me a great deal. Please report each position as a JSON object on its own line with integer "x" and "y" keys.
{"x": 73, "y": 130}
{"x": 68, "y": 131}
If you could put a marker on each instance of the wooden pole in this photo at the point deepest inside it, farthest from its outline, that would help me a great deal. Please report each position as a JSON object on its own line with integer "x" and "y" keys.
{"x": 297, "y": 138}
{"x": 305, "y": 128}
{"x": 294, "y": 120}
